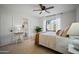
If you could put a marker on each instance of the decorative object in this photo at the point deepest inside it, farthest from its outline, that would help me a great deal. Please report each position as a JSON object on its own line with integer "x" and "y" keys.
{"x": 74, "y": 29}
{"x": 37, "y": 29}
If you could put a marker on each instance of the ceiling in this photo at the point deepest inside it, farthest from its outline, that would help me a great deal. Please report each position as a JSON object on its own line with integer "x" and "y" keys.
{"x": 28, "y": 8}
{"x": 58, "y": 8}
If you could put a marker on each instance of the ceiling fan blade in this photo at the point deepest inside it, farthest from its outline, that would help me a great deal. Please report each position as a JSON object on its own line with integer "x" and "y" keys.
{"x": 50, "y": 7}
{"x": 37, "y": 10}
{"x": 47, "y": 11}
{"x": 40, "y": 12}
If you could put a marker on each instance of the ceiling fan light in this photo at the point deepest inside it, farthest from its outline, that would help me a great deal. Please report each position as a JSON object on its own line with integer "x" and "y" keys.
{"x": 43, "y": 11}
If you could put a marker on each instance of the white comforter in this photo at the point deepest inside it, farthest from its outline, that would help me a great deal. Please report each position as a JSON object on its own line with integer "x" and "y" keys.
{"x": 49, "y": 33}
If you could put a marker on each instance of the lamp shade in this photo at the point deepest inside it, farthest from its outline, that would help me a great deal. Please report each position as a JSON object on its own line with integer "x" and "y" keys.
{"x": 74, "y": 29}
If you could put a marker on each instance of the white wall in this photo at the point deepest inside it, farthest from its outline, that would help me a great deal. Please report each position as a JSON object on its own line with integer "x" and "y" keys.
{"x": 6, "y": 13}
{"x": 68, "y": 18}
{"x": 77, "y": 14}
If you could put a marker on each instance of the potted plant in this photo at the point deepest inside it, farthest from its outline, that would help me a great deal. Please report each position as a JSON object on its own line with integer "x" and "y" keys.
{"x": 37, "y": 30}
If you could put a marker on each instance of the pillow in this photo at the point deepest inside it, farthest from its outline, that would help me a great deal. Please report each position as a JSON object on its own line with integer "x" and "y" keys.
{"x": 65, "y": 31}
{"x": 58, "y": 32}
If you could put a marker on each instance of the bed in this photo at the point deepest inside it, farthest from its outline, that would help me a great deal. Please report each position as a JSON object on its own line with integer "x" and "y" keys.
{"x": 54, "y": 42}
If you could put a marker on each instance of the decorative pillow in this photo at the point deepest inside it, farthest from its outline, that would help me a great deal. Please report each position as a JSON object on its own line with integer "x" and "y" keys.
{"x": 57, "y": 33}
{"x": 60, "y": 33}
{"x": 65, "y": 31}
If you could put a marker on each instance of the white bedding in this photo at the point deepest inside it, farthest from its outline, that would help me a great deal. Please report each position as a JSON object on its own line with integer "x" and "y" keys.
{"x": 49, "y": 33}
{"x": 48, "y": 39}
{"x": 52, "y": 41}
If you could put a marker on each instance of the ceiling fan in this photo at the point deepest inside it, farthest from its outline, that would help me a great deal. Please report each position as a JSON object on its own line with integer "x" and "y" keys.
{"x": 43, "y": 8}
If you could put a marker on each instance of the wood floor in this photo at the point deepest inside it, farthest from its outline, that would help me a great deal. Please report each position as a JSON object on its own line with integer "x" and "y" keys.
{"x": 26, "y": 47}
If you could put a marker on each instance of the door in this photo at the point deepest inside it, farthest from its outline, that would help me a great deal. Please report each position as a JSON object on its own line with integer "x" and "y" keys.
{"x": 5, "y": 24}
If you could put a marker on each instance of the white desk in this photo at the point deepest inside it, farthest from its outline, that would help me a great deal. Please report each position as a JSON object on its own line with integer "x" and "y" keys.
{"x": 18, "y": 34}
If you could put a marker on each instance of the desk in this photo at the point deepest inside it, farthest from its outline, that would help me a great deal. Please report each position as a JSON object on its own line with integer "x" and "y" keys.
{"x": 18, "y": 34}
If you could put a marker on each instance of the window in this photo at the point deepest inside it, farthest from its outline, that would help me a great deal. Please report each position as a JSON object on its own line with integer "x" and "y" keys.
{"x": 51, "y": 25}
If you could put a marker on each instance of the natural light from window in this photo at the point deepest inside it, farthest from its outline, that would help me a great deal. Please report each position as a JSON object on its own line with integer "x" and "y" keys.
{"x": 52, "y": 25}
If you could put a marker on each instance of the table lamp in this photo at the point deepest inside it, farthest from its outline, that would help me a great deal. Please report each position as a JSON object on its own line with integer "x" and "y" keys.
{"x": 73, "y": 32}
{"x": 74, "y": 29}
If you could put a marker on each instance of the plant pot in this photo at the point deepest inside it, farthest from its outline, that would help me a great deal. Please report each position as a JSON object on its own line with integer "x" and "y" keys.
{"x": 37, "y": 38}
